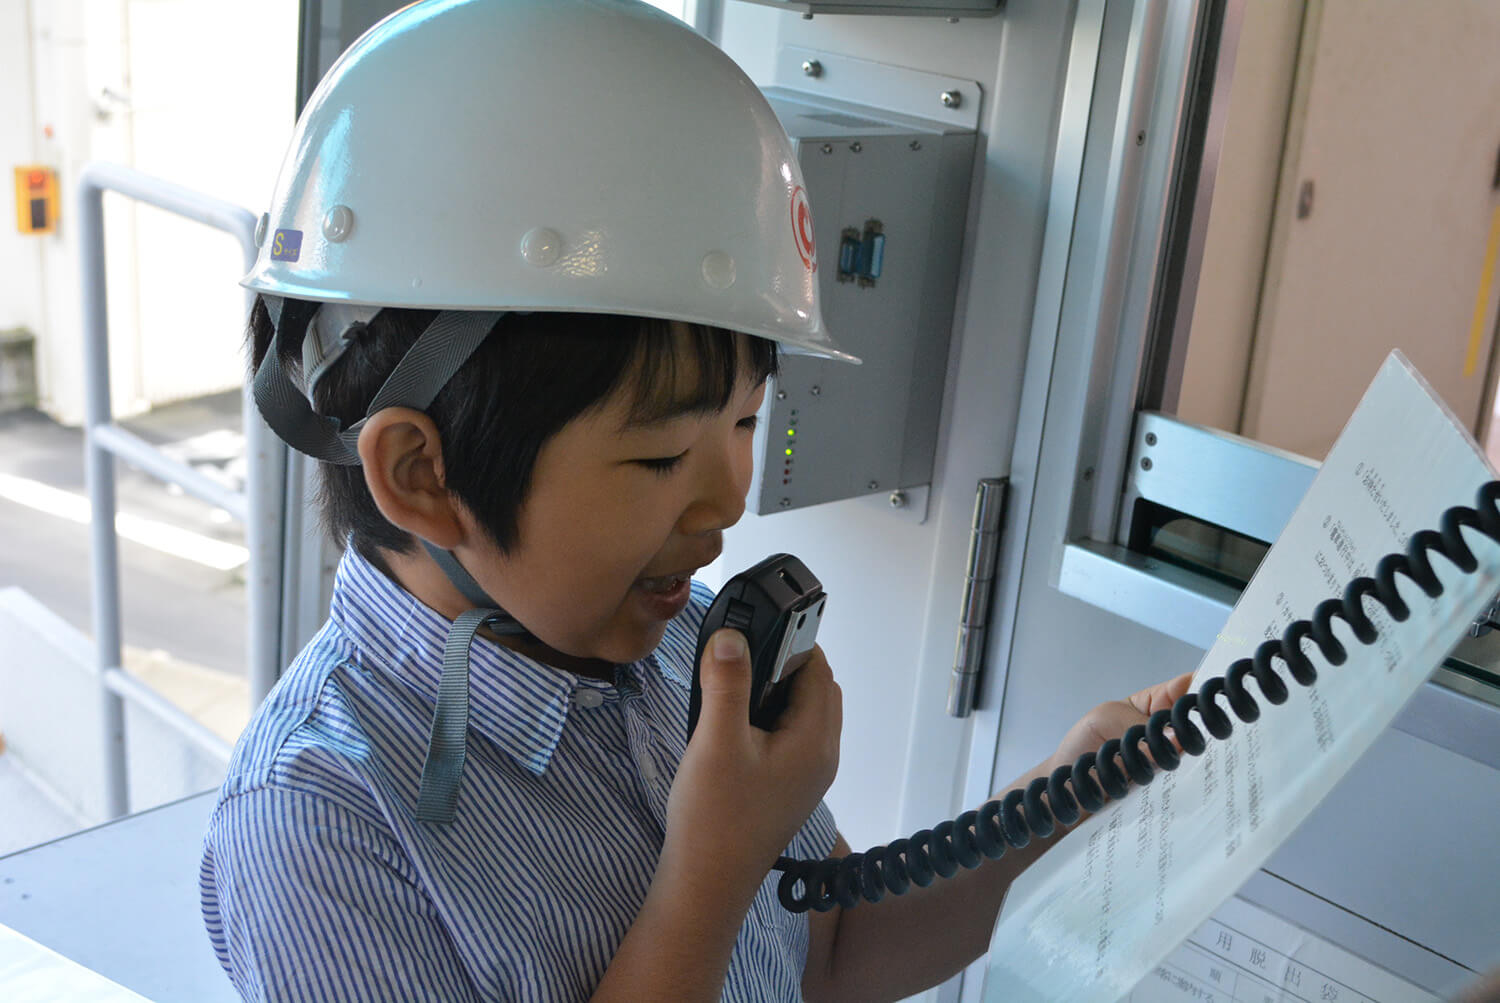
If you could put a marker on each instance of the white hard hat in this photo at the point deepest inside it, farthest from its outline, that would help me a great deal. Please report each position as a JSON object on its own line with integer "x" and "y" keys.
{"x": 545, "y": 155}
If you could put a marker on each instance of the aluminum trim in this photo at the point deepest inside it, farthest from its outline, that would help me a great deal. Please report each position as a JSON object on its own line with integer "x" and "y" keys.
{"x": 1221, "y": 478}
{"x": 1192, "y": 608}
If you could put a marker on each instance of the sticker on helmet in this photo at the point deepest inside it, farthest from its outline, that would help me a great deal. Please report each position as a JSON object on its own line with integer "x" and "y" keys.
{"x": 286, "y": 245}
{"x": 802, "y": 229}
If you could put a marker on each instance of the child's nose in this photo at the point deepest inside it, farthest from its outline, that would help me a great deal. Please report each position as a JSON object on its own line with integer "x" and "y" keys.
{"x": 720, "y": 498}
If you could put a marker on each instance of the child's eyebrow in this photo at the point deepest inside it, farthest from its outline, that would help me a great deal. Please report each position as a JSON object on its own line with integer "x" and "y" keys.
{"x": 648, "y": 415}
{"x": 652, "y": 412}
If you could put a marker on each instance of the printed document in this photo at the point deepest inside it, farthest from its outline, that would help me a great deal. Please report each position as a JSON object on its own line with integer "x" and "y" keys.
{"x": 1101, "y": 910}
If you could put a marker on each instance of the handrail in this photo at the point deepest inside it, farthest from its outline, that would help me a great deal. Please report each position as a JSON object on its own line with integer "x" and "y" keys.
{"x": 260, "y": 505}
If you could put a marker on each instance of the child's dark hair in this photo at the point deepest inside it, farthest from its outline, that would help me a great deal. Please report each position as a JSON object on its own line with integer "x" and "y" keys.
{"x": 533, "y": 374}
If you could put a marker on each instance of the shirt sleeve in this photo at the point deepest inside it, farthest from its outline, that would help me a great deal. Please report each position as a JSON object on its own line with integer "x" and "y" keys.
{"x": 815, "y": 839}
{"x": 305, "y": 900}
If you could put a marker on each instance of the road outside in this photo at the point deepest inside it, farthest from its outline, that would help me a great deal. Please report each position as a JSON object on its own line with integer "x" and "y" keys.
{"x": 184, "y": 603}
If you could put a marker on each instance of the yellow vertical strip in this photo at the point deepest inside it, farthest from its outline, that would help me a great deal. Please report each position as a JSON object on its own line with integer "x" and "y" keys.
{"x": 1482, "y": 300}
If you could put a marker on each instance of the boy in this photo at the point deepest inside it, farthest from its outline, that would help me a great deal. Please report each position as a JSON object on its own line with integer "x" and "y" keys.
{"x": 533, "y": 260}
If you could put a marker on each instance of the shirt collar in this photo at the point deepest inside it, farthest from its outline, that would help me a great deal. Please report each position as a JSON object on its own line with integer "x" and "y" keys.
{"x": 514, "y": 701}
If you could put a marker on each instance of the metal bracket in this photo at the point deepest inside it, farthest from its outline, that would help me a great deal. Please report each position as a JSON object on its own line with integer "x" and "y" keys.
{"x": 930, "y": 97}
{"x": 1486, "y": 621}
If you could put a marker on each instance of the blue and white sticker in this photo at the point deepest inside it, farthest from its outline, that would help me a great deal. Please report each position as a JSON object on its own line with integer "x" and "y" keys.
{"x": 286, "y": 245}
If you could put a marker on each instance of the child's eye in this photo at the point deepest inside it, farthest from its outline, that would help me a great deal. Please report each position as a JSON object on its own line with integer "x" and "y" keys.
{"x": 662, "y": 464}
{"x": 748, "y": 424}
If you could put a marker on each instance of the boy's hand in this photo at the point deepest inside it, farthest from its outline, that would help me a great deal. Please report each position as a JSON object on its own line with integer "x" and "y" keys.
{"x": 741, "y": 793}
{"x": 1110, "y": 720}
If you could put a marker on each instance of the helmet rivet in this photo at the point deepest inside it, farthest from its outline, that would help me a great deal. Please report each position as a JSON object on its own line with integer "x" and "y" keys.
{"x": 261, "y": 226}
{"x": 827, "y": 147}
{"x": 338, "y": 223}
{"x": 542, "y": 247}
{"x": 718, "y": 269}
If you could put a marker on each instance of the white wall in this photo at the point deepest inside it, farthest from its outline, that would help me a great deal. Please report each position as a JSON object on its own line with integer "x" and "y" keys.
{"x": 20, "y": 256}
{"x": 204, "y": 94}
{"x": 894, "y": 587}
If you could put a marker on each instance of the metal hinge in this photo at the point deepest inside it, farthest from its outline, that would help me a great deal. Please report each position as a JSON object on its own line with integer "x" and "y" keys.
{"x": 979, "y": 580}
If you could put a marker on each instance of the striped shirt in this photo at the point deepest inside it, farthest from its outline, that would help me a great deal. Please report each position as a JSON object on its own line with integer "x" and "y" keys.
{"x": 319, "y": 883}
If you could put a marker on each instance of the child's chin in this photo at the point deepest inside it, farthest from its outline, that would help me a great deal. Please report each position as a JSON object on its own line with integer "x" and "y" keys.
{"x": 636, "y": 647}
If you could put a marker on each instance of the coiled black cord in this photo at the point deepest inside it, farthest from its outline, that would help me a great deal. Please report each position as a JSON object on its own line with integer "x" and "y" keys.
{"x": 1098, "y": 777}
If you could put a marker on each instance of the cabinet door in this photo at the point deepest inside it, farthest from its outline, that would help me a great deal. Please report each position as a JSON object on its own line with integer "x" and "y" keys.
{"x": 1386, "y": 207}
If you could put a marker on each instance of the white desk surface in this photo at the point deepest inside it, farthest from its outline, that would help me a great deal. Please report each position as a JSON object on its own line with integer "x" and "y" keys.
{"x": 122, "y": 900}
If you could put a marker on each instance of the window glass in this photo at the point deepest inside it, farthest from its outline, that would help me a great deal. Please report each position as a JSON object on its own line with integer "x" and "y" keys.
{"x": 1355, "y": 209}
{"x": 132, "y": 83}
{"x": 682, "y": 9}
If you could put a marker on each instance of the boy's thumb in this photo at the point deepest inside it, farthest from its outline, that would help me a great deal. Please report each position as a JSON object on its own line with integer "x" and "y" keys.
{"x": 724, "y": 676}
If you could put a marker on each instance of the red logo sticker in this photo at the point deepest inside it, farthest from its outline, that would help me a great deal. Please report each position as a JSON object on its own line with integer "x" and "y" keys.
{"x": 802, "y": 229}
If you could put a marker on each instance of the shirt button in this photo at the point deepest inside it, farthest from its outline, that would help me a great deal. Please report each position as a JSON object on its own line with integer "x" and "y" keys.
{"x": 588, "y": 699}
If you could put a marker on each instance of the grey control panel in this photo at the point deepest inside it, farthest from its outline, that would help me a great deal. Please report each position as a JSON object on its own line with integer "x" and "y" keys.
{"x": 889, "y": 196}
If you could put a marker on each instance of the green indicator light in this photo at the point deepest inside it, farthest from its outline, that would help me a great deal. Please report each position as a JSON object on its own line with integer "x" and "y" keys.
{"x": 789, "y": 452}
{"x": 791, "y": 431}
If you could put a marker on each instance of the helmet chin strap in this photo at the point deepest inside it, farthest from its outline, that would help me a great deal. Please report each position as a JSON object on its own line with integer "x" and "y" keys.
{"x": 423, "y": 371}
{"x": 442, "y": 773}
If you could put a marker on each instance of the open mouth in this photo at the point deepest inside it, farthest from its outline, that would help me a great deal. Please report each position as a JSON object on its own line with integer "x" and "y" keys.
{"x": 665, "y": 584}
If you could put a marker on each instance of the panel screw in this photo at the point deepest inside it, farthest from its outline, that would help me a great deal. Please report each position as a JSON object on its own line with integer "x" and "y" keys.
{"x": 1150, "y": 438}
{"x": 1145, "y": 463}
{"x": 898, "y": 499}
{"x": 914, "y": 145}
{"x": 827, "y": 147}
{"x": 856, "y": 147}
{"x": 781, "y": 395}
{"x": 874, "y": 486}
{"x": 786, "y": 503}
{"x": 815, "y": 391}
{"x": 952, "y": 99}
{"x": 812, "y": 68}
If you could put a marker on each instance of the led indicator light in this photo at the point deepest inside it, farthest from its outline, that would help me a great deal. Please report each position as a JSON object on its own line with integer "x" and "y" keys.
{"x": 789, "y": 452}
{"x": 791, "y": 431}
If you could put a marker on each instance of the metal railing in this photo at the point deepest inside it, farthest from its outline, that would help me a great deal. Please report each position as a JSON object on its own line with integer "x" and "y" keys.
{"x": 259, "y": 506}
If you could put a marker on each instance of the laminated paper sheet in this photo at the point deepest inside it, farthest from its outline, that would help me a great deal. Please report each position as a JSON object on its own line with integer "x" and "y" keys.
{"x": 1103, "y": 908}
{"x": 1246, "y": 955}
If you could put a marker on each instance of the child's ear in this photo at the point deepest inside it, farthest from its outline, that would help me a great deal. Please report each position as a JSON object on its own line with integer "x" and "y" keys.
{"x": 402, "y": 456}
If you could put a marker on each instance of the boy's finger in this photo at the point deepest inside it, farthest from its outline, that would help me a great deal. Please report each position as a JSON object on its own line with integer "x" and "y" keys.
{"x": 724, "y": 678}
{"x": 1162, "y": 695}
